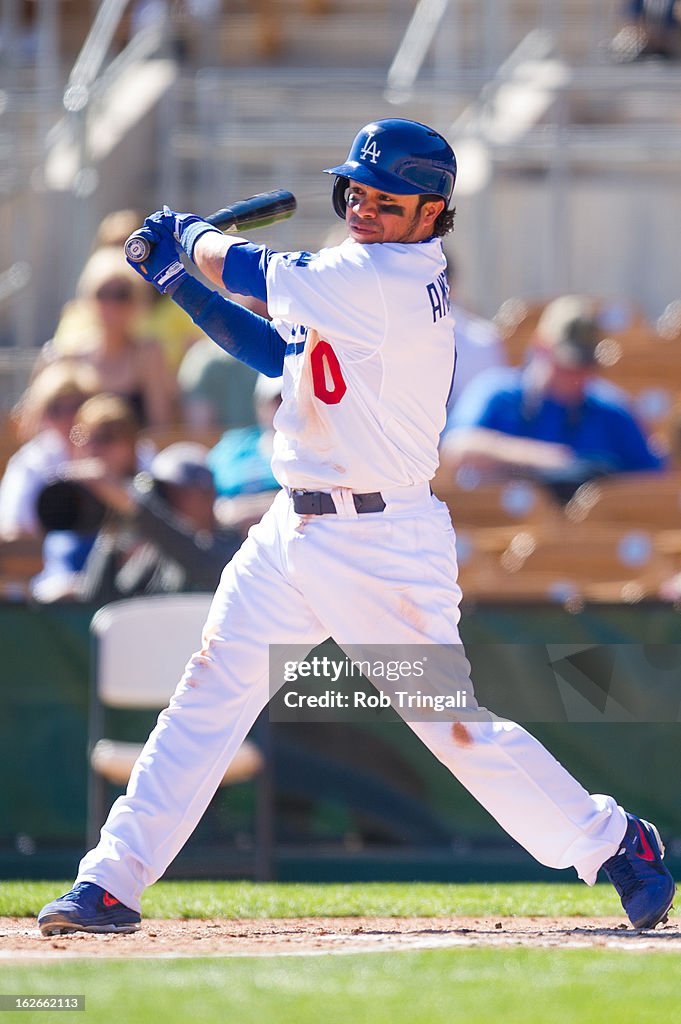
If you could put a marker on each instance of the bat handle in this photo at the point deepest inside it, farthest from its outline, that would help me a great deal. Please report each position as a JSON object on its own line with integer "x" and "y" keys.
{"x": 137, "y": 248}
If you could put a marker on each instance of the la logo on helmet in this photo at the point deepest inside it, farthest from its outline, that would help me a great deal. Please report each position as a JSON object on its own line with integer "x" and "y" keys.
{"x": 370, "y": 150}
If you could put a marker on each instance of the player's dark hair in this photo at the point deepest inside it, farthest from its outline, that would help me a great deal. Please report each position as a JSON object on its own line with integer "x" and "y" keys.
{"x": 445, "y": 220}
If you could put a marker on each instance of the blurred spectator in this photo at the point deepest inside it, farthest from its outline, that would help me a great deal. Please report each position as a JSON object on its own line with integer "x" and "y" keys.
{"x": 168, "y": 323}
{"x": 114, "y": 227}
{"x": 159, "y": 533}
{"x": 168, "y": 539}
{"x": 241, "y": 461}
{"x": 44, "y": 415}
{"x": 72, "y": 509}
{"x": 78, "y": 321}
{"x": 479, "y": 345}
{"x": 160, "y": 317}
{"x": 651, "y": 28}
{"x": 216, "y": 390}
{"x": 102, "y": 329}
{"x": 553, "y": 418}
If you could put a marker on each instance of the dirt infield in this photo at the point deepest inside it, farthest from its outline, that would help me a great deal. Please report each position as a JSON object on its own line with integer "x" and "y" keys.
{"x": 20, "y": 939}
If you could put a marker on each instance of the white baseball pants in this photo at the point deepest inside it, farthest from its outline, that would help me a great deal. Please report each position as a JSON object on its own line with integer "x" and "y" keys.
{"x": 379, "y": 578}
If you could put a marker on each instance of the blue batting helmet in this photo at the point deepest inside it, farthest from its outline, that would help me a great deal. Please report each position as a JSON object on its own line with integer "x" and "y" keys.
{"x": 404, "y": 158}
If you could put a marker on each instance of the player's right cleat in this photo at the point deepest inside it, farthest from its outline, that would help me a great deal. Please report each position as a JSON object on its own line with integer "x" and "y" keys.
{"x": 87, "y": 908}
{"x": 644, "y": 884}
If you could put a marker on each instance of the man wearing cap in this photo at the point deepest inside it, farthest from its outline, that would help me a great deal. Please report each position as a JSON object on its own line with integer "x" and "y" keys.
{"x": 553, "y": 418}
{"x": 163, "y": 536}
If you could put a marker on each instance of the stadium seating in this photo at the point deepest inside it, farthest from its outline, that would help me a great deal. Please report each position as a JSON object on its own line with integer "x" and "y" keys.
{"x": 646, "y": 500}
{"x": 585, "y": 563}
{"x": 501, "y": 504}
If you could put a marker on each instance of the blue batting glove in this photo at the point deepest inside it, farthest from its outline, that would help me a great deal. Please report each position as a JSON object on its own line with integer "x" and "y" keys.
{"x": 162, "y": 268}
{"x": 186, "y": 228}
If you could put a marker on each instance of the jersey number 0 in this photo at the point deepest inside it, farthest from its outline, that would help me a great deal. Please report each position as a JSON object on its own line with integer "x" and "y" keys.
{"x": 327, "y": 376}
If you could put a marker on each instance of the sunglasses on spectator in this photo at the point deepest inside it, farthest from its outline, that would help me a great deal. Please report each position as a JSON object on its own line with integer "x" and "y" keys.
{"x": 63, "y": 407}
{"x": 114, "y": 292}
{"x": 101, "y": 437}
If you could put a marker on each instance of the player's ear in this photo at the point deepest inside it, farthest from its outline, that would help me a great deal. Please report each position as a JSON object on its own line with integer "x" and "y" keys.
{"x": 431, "y": 210}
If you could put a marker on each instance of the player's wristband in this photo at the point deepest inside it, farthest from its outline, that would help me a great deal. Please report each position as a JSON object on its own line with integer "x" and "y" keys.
{"x": 248, "y": 337}
{"x": 190, "y": 235}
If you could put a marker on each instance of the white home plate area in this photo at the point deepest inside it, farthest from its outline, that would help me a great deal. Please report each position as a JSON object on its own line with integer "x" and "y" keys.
{"x": 20, "y": 939}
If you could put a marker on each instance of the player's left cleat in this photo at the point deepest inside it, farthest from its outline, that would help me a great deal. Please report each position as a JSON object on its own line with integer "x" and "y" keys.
{"x": 643, "y": 883}
{"x": 87, "y": 908}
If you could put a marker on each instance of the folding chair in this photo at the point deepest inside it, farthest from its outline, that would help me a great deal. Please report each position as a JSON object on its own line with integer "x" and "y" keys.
{"x": 140, "y": 648}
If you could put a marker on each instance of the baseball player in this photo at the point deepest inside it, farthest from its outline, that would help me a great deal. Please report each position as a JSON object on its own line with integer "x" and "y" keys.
{"x": 354, "y": 545}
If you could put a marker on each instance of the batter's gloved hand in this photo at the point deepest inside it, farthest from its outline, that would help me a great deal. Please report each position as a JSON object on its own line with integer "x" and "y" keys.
{"x": 186, "y": 228}
{"x": 162, "y": 267}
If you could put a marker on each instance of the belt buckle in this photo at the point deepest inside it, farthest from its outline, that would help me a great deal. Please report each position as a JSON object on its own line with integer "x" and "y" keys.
{"x": 312, "y": 501}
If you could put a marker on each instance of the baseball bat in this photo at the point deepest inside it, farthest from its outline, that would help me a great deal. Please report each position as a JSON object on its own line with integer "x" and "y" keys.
{"x": 255, "y": 212}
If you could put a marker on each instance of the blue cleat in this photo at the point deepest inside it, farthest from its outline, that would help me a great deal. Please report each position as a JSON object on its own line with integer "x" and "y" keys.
{"x": 643, "y": 883}
{"x": 87, "y": 908}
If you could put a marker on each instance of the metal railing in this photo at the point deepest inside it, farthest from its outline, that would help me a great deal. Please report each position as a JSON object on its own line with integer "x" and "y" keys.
{"x": 417, "y": 40}
{"x": 31, "y": 87}
{"x": 469, "y": 39}
{"x": 15, "y": 362}
{"x": 90, "y": 79}
{"x": 93, "y": 53}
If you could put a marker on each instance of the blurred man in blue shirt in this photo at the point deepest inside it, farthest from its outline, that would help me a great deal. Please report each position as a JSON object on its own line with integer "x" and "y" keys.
{"x": 554, "y": 418}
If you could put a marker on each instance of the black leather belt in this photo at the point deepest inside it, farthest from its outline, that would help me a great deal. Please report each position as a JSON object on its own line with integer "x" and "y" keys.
{"x": 317, "y": 503}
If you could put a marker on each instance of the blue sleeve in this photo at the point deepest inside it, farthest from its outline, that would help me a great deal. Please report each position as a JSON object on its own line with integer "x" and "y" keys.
{"x": 483, "y": 402}
{"x": 248, "y": 337}
{"x": 245, "y": 270}
{"x": 612, "y": 432}
{"x": 635, "y": 453}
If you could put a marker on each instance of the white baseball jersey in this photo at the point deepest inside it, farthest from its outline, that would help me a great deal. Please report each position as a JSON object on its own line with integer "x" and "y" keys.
{"x": 368, "y": 367}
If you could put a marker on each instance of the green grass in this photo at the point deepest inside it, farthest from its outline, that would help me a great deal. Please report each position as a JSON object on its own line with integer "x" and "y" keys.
{"x": 386, "y": 899}
{"x": 478, "y": 986}
{"x": 445, "y": 986}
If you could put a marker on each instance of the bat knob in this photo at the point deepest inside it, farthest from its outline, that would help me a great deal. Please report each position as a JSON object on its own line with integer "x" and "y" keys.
{"x": 137, "y": 248}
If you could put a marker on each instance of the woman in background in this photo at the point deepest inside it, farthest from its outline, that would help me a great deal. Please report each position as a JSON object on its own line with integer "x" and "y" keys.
{"x": 106, "y": 335}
